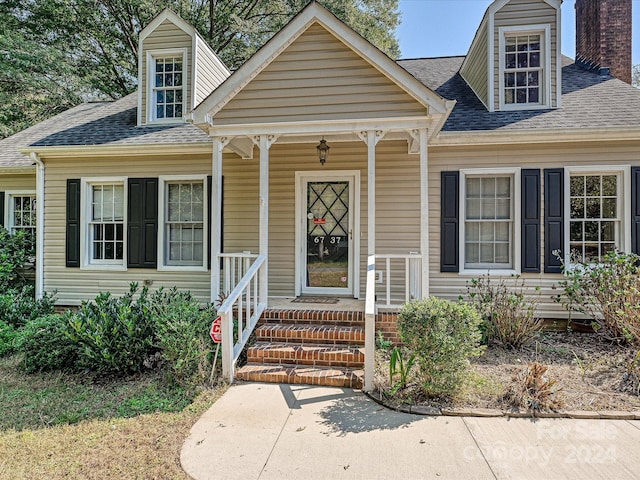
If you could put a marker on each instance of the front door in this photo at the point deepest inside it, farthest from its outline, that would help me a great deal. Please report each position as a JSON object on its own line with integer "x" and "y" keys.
{"x": 326, "y": 224}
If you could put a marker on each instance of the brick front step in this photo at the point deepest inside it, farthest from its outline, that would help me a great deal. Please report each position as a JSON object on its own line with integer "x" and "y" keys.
{"x": 316, "y": 355}
{"x": 316, "y": 334}
{"x": 315, "y": 317}
{"x": 326, "y": 376}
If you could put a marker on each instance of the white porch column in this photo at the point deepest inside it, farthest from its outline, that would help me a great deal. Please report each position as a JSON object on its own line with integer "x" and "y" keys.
{"x": 424, "y": 209}
{"x": 216, "y": 214}
{"x": 371, "y": 138}
{"x": 264, "y": 142}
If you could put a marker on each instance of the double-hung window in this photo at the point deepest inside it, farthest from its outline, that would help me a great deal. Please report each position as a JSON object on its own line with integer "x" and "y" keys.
{"x": 104, "y": 225}
{"x": 167, "y": 86}
{"x": 183, "y": 210}
{"x": 525, "y": 74}
{"x": 596, "y": 209}
{"x": 21, "y": 212}
{"x": 490, "y": 227}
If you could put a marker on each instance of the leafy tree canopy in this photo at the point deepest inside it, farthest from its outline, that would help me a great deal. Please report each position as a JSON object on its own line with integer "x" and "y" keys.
{"x": 635, "y": 76}
{"x": 56, "y": 53}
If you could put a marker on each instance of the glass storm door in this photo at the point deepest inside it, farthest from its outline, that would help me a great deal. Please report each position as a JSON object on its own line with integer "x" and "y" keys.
{"x": 328, "y": 236}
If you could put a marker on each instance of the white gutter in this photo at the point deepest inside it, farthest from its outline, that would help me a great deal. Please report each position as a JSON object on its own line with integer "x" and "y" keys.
{"x": 39, "y": 224}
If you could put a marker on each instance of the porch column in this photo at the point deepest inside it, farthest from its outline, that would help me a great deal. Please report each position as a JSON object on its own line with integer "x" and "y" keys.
{"x": 371, "y": 138}
{"x": 216, "y": 214}
{"x": 424, "y": 209}
{"x": 264, "y": 142}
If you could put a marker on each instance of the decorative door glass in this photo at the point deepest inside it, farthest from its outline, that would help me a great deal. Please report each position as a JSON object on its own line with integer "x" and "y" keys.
{"x": 328, "y": 234}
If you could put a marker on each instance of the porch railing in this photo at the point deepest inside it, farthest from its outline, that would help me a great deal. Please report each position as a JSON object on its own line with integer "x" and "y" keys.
{"x": 235, "y": 266}
{"x": 244, "y": 305}
{"x": 412, "y": 290}
{"x": 396, "y": 268}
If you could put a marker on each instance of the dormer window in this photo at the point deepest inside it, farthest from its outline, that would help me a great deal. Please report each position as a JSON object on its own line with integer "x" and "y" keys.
{"x": 525, "y": 69}
{"x": 167, "y": 86}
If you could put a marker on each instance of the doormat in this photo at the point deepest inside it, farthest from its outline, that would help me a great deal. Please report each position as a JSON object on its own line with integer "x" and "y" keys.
{"x": 315, "y": 300}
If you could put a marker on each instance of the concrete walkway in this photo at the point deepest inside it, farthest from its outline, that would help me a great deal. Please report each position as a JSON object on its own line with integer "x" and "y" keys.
{"x": 269, "y": 431}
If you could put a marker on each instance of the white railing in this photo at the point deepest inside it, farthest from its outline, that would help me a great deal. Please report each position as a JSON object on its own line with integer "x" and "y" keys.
{"x": 370, "y": 324}
{"x": 235, "y": 266}
{"x": 247, "y": 303}
{"x": 396, "y": 266}
{"x": 412, "y": 290}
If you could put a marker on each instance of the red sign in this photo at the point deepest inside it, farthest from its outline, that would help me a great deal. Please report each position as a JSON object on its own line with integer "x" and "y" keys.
{"x": 216, "y": 330}
{"x": 319, "y": 221}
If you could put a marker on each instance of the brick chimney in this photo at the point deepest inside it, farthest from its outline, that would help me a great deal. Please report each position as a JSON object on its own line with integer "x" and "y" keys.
{"x": 603, "y": 37}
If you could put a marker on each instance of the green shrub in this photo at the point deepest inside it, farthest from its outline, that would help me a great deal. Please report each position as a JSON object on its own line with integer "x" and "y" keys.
{"x": 182, "y": 328}
{"x": 115, "y": 335}
{"x": 509, "y": 318}
{"x": 45, "y": 345}
{"x": 608, "y": 293}
{"x": 8, "y": 336}
{"x": 15, "y": 251}
{"x": 443, "y": 335}
{"x": 19, "y": 306}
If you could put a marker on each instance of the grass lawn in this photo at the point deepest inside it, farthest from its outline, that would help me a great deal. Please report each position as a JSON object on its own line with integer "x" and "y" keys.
{"x": 69, "y": 426}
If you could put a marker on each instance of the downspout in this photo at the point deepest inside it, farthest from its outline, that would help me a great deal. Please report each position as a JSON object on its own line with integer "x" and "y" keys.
{"x": 39, "y": 224}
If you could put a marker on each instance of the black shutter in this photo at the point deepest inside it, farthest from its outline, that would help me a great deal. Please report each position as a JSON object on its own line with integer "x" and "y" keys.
{"x": 449, "y": 221}
{"x": 530, "y": 220}
{"x": 635, "y": 210}
{"x": 211, "y": 206}
{"x": 553, "y": 219}
{"x": 142, "y": 223}
{"x": 1, "y": 209}
{"x": 72, "y": 251}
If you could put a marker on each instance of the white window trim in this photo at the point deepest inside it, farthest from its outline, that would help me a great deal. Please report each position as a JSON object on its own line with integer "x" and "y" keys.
{"x": 9, "y": 214}
{"x": 151, "y": 56}
{"x": 545, "y": 38}
{"x": 85, "y": 214}
{"x": 162, "y": 266}
{"x": 624, "y": 194}
{"x": 517, "y": 227}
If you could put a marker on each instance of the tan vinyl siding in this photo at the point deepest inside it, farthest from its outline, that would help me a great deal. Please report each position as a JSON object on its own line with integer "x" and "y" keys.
{"x": 474, "y": 70}
{"x": 75, "y": 284}
{"x": 166, "y": 36}
{"x": 398, "y": 203}
{"x": 521, "y": 13}
{"x": 210, "y": 72}
{"x": 450, "y": 285}
{"x": 318, "y": 78}
{"x": 17, "y": 182}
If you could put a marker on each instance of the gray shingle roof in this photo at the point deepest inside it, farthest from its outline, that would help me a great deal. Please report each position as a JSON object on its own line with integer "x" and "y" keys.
{"x": 588, "y": 100}
{"x": 103, "y": 123}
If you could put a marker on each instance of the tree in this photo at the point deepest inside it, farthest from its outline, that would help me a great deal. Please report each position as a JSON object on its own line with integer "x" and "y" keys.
{"x": 69, "y": 50}
{"x": 635, "y": 76}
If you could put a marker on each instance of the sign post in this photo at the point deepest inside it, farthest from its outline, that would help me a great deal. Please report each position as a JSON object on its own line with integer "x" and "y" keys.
{"x": 216, "y": 335}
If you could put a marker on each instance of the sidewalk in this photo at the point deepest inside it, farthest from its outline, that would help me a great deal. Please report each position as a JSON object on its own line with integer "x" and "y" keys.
{"x": 270, "y": 431}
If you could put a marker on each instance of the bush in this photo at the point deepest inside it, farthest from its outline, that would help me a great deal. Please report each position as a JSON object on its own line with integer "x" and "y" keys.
{"x": 182, "y": 328}
{"x": 534, "y": 389}
{"x": 15, "y": 251}
{"x": 509, "y": 318}
{"x": 443, "y": 335}
{"x": 45, "y": 345}
{"x": 608, "y": 293}
{"x": 19, "y": 306}
{"x": 8, "y": 336}
{"x": 114, "y": 334}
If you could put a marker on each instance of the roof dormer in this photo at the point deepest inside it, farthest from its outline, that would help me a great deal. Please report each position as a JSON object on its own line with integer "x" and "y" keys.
{"x": 514, "y": 62}
{"x": 176, "y": 70}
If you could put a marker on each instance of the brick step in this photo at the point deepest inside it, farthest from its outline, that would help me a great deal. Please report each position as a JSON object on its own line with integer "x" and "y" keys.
{"x": 298, "y": 354}
{"x": 315, "y": 317}
{"x": 317, "y": 334}
{"x": 325, "y": 376}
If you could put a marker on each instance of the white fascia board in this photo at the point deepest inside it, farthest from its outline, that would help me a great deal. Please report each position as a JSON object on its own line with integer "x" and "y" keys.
{"x": 173, "y": 17}
{"x": 549, "y": 135}
{"x": 111, "y": 150}
{"x": 297, "y": 26}
{"x": 319, "y": 127}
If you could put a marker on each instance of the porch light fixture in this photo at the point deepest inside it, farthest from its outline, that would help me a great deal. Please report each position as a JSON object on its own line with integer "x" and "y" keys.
{"x": 323, "y": 150}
